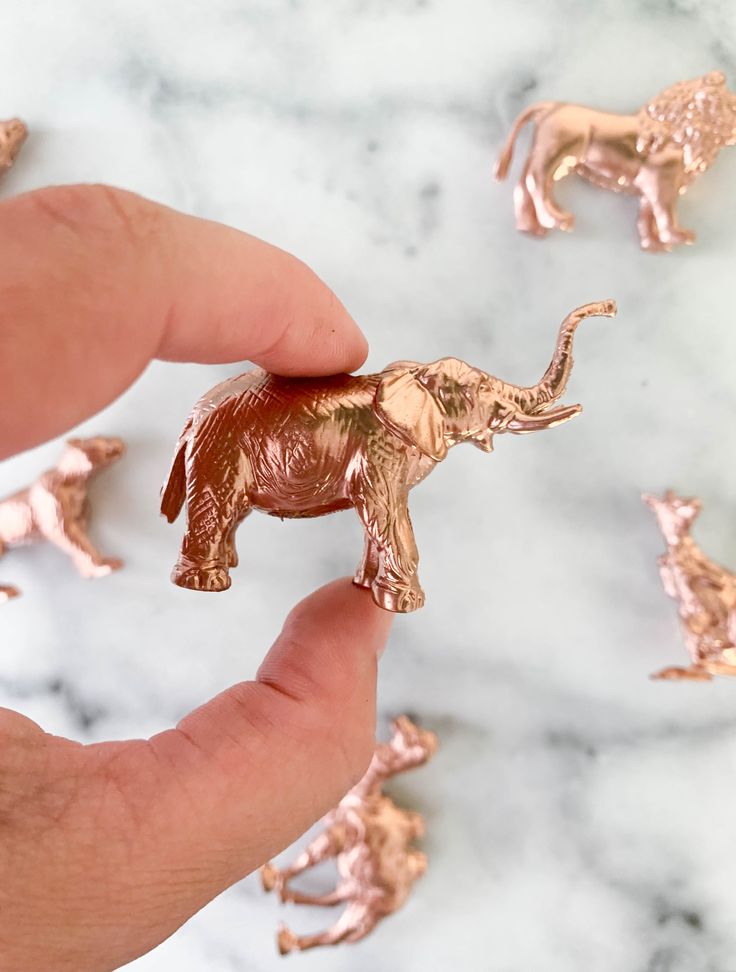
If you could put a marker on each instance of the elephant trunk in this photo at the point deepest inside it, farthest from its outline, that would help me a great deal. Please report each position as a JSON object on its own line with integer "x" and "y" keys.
{"x": 538, "y": 397}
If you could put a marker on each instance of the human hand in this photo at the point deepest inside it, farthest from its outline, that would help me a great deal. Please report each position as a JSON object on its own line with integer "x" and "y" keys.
{"x": 106, "y": 849}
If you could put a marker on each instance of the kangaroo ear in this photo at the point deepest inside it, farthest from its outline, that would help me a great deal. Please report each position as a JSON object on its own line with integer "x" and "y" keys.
{"x": 408, "y": 408}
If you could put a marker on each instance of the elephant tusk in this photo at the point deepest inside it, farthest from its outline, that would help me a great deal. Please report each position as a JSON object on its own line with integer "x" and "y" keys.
{"x": 523, "y": 424}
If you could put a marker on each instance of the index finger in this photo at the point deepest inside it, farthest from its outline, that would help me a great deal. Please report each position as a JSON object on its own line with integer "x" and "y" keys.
{"x": 95, "y": 282}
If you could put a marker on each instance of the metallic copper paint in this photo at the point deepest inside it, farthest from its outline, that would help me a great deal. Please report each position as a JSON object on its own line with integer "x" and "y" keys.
{"x": 654, "y": 154}
{"x": 55, "y": 508}
{"x": 370, "y": 839}
{"x": 705, "y": 592}
{"x": 303, "y": 447}
{"x": 13, "y": 134}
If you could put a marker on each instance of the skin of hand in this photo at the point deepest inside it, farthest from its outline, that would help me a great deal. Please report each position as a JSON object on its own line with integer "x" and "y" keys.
{"x": 106, "y": 849}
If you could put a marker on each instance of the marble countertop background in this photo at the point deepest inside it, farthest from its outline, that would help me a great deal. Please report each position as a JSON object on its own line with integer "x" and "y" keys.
{"x": 579, "y": 816}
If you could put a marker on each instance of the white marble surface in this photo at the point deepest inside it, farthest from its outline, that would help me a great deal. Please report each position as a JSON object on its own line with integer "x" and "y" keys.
{"x": 579, "y": 816}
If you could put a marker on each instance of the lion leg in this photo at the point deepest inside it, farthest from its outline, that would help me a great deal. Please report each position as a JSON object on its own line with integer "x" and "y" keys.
{"x": 647, "y": 227}
{"x": 526, "y": 211}
{"x": 542, "y": 170}
{"x": 660, "y": 183}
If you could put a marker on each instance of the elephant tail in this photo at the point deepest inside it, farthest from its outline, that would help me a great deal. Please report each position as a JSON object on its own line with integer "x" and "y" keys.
{"x": 175, "y": 488}
{"x": 504, "y": 160}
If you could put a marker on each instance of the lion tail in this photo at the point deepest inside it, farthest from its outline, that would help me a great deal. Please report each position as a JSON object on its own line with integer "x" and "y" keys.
{"x": 501, "y": 169}
{"x": 175, "y": 488}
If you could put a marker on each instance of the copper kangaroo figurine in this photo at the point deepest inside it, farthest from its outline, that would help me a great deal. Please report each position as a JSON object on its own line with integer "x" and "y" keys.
{"x": 654, "y": 154}
{"x": 55, "y": 508}
{"x": 305, "y": 447}
{"x": 370, "y": 839}
{"x": 705, "y": 592}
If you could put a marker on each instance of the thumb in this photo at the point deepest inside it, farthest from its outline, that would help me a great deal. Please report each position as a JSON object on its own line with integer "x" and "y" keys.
{"x": 265, "y": 759}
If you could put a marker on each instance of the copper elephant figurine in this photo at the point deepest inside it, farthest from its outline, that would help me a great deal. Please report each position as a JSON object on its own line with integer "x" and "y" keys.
{"x": 308, "y": 446}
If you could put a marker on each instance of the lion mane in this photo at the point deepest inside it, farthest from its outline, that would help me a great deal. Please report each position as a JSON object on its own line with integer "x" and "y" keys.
{"x": 697, "y": 116}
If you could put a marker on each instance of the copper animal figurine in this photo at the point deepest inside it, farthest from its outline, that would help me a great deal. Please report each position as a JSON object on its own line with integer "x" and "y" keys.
{"x": 654, "y": 154}
{"x": 705, "y": 592}
{"x": 12, "y": 135}
{"x": 370, "y": 839}
{"x": 309, "y": 446}
{"x": 55, "y": 508}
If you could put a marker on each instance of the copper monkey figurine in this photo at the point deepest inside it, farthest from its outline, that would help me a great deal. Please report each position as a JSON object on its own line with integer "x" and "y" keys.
{"x": 55, "y": 508}
{"x": 12, "y": 135}
{"x": 309, "y": 446}
{"x": 705, "y": 592}
{"x": 370, "y": 838}
{"x": 654, "y": 154}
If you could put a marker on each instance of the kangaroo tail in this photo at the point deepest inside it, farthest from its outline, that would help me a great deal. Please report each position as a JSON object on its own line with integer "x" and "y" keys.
{"x": 504, "y": 160}
{"x": 174, "y": 490}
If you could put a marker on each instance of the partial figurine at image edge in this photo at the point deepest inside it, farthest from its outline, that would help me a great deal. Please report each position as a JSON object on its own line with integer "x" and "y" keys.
{"x": 303, "y": 447}
{"x": 55, "y": 508}
{"x": 705, "y": 592}
{"x": 13, "y": 134}
{"x": 654, "y": 154}
{"x": 370, "y": 838}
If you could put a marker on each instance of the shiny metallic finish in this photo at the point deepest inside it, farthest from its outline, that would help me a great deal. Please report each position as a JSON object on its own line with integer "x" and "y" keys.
{"x": 55, "y": 508}
{"x": 309, "y": 446}
{"x": 705, "y": 592}
{"x": 654, "y": 154}
{"x": 12, "y": 135}
{"x": 370, "y": 839}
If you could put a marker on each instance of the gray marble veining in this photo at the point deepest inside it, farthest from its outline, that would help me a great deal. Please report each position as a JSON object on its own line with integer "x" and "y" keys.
{"x": 578, "y": 814}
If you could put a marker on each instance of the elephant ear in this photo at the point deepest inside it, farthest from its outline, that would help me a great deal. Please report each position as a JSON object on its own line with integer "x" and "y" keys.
{"x": 407, "y": 407}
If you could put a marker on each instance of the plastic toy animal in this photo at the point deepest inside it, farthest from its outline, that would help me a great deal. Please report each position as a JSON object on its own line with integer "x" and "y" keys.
{"x": 305, "y": 447}
{"x": 654, "y": 154}
{"x": 55, "y": 508}
{"x": 370, "y": 837}
{"x": 705, "y": 592}
{"x": 12, "y": 135}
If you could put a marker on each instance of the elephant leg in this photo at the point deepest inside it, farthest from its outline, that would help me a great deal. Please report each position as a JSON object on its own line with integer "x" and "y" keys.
{"x": 368, "y": 570}
{"x": 388, "y": 526}
{"x": 216, "y": 504}
{"x": 230, "y": 548}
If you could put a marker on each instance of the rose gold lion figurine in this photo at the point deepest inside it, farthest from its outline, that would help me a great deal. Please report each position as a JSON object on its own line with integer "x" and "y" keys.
{"x": 705, "y": 591}
{"x": 12, "y": 135}
{"x": 370, "y": 838}
{"x": 654, "y": 154}
{"x": 308, "y": 446}
{"x": 54, "y": 508}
